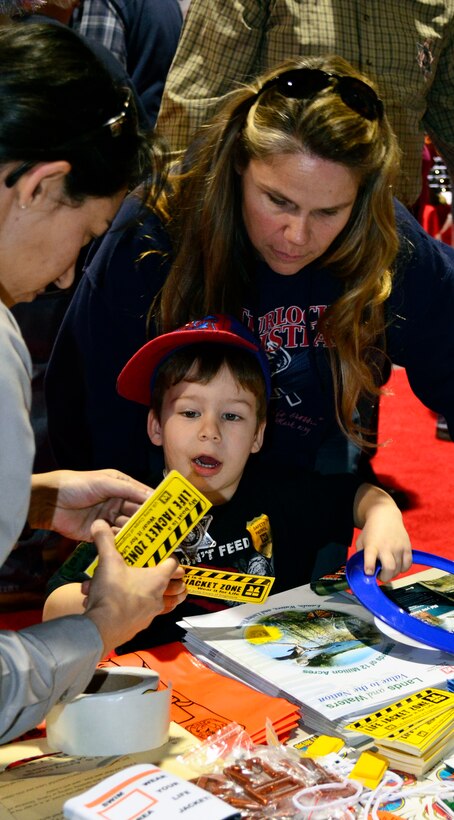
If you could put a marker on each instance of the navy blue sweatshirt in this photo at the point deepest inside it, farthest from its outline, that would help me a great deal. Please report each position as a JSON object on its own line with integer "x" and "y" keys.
{"x": 92, "y": 427}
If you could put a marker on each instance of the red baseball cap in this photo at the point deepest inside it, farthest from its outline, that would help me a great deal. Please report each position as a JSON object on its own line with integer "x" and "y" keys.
{"x": 136, "y": 380}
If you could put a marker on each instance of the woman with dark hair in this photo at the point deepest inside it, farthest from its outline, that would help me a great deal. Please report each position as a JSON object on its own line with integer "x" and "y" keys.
{"x": 284, "y": 215}
{"x": 70, "y": 149}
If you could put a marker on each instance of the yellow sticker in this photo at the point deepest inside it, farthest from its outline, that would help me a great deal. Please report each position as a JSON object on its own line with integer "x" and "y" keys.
{"x": 230, "y": 586}
{"x": 324, "y": 745}
{"x": 412, "y": 710}
{"x": 161, "y": 523}
{"x": 302, "y": 745}
{"x": 260, "y": 532}
{"x": 369, "y": 769}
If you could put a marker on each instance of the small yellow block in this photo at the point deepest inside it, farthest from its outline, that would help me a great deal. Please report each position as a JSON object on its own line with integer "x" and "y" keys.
{"x": 324, "y": 745}
{"x": 369, "y": 769}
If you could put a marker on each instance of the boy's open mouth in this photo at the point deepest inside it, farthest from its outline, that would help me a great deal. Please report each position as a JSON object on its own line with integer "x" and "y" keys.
{"x": 206, "y": 462}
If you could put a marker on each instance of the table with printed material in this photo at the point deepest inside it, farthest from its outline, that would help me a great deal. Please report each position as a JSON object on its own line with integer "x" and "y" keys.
{"x": 53, "y": 777}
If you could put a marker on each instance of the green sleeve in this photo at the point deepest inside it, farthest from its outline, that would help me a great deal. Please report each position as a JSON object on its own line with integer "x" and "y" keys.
{"x": 73, "y": 570}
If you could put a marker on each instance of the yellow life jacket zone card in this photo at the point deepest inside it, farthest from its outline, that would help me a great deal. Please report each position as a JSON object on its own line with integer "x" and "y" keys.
{"x": 161, "y": 523}
{"x": 417, "y": 738}
{"x": 415, "y": 709}
{"x": 230, "y": 586}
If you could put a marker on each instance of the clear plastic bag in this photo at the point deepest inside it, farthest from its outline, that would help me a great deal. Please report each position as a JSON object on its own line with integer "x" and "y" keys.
{"x": 269, "y": 781}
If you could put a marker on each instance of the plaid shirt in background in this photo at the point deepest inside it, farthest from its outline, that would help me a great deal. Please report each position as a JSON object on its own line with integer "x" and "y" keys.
{"x": 407, "y": 48}
{"x": 99, "y": 20}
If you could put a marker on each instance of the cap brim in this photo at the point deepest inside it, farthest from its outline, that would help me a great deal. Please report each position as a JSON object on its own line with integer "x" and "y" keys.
{"x": 134, "y": 381}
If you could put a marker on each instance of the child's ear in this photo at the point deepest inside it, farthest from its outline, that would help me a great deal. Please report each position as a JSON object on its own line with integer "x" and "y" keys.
{"x": 258, "y": 438}
{"x": 154, "y": 429}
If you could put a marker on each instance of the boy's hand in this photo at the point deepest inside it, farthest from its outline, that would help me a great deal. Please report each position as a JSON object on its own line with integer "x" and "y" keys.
{"x": 385, "y": 538}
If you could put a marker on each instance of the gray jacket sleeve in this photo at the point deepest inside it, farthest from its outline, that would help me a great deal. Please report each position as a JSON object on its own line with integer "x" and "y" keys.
{"x": 16, "y": 435}
{"x": 42, "y": 665}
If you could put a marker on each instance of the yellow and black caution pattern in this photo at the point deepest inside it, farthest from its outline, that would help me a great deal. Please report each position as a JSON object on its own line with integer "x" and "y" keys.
{"x": 416, "y": 708}
{"x": 229, "y": 586}
{"x": 417, "y": 738}
{"x": 161, "y": 523}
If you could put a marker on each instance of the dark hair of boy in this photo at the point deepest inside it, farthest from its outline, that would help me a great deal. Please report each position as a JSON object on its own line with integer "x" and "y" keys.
{"x": 201, "y": 362}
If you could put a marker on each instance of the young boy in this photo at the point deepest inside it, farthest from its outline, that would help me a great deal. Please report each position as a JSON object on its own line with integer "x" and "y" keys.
{"x": 207, "y": 386}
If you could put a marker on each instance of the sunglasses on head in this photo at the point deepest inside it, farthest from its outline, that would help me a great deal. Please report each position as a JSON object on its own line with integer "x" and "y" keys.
{"x": 114, "y": 124}
{"x": 304, "y": 83}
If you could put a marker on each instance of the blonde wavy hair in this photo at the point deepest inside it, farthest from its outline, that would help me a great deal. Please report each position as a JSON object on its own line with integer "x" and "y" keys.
{"x": 213, "y": 258}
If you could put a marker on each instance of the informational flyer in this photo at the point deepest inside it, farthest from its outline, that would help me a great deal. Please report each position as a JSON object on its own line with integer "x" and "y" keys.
{"x": 147, "y": 791}
{"x": 35, "y": 781}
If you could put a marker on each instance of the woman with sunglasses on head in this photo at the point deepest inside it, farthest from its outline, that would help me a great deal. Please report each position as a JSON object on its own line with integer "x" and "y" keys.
{"x": 70, "y": 149}
{"x": 285, "y": 216}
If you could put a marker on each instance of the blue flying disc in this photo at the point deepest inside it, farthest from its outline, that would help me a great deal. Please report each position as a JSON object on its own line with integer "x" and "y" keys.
{"x": 368, "y": 592}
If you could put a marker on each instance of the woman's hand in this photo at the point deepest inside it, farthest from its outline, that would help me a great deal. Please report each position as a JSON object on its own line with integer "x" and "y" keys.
{"x": 69, "y": 502}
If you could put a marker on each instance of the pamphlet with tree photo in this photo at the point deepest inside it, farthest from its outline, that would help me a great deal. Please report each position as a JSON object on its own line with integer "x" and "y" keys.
{"x": 326, "y": 655}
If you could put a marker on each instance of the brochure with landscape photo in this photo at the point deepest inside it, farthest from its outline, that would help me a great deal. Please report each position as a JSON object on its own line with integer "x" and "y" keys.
{"x": 323, "y": 653}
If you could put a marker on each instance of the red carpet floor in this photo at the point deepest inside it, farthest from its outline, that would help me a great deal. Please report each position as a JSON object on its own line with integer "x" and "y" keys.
{"x": 414, "y": 460}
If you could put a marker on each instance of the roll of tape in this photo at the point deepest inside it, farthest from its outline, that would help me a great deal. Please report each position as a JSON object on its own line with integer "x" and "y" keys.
{"x": 120, "y": 712}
